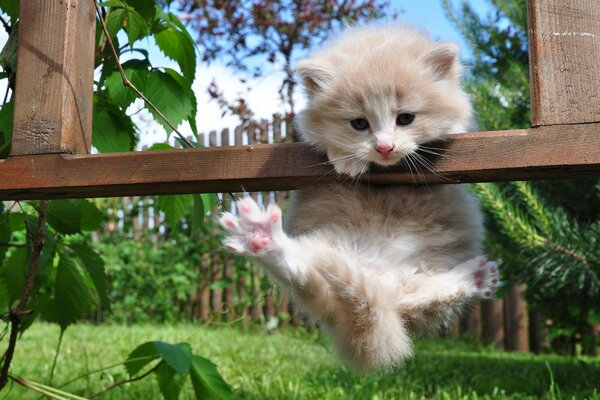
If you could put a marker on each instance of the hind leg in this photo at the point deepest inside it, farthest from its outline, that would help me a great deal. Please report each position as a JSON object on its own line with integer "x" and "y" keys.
{"x": 434, "y": 300}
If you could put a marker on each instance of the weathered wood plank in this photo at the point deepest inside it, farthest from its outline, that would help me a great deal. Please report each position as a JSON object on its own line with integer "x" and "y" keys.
{"x": 53, "y": 96}
{"x": 564, "y": 39}
{"x": 537, "y": 153}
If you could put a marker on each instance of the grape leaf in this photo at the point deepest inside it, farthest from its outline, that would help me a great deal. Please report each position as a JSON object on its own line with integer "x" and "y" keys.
{"x": 174, "y": 207}
{"x": 169, "y": 382}
{"x": 112, "y": 129}
{"x": 14, "y": 273}
{"x": 147, "y": 9}
{"x": 72, "y": 295}
{"x": 140, "y": 357}
{"x": 198, "y": 214}
{"x": 178, "y": 46}
{"x": 73, "y": 216}
{"x": 161, "y": 146}
{"x": 137, "y": 73}
{"x": 206, "y": 380}
{"x": 94, "y": 265}
{"x": 6, "y": 125}
{"x": 114, "y": 20}
{"x": 165, "y": 93}
{"x": 11, "y": 8}
{"x": 5, "y": 233}
{"x": 177, "y": 356}
{"x": 135, "y": 26}
{"x": 187, "y": 89}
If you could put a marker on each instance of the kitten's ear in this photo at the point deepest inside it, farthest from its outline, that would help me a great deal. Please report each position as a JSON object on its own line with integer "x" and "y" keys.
{"x": 443, "y": 60}
{"x": 316, "y": 75}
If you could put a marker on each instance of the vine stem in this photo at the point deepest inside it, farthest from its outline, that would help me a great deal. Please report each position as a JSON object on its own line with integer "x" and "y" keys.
{"x": 130, "y": 85}
{"x": 15, "y": 315}
{"x": 137, "y": 378}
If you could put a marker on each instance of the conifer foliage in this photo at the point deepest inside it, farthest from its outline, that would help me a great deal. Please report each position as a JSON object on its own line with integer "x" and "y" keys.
{"x": 547, "y": 232}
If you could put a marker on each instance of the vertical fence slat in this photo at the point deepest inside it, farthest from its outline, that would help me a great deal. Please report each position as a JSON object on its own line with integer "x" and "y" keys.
{"x": 564, "y": 39}
{"x": 54, "y": 87}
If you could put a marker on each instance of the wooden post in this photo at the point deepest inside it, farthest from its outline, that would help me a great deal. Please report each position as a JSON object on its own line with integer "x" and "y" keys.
{"x": 515, "y": 320}
{"x": 491, "y": 327}
{"x": 564, "y": 39}
{"x": 54, "y": 87}
{"x": 471, "y": 321}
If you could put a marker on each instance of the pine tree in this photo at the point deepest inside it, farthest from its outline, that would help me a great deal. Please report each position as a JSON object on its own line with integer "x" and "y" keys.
{"x": 546, "y": 232}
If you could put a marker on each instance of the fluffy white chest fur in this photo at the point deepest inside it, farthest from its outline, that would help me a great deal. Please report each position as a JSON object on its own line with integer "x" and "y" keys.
{"x": 375, "y": 265}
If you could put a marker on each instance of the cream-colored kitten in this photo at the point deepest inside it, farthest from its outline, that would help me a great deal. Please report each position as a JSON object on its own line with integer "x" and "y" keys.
{"x": 375, "y": 265}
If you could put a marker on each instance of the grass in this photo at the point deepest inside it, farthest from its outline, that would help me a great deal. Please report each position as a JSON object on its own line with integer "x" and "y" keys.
{"x": 294, "y": 365}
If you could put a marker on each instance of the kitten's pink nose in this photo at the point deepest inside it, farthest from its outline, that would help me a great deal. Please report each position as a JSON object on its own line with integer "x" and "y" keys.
{"x": 384, "y": 149}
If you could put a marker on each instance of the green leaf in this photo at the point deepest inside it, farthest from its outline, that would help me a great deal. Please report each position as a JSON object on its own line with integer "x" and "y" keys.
{"x": 177, "y": 356}
{"x": 140, "y": 357}
{"x": 73, "y": 216}
{"x": 169, "y": 382}
{"x": 112, "y": 129}
{"x": 147, "y": 9}
{"x": 137, "y": 73}
{"x": 178, "y": 46}
{"x": 174, "y": 207}
{"x": 15, "y": 272}
{"x": 4, "y": 296}
{"x": 210, "y": 201}
{"x": 165, "y": 93}
{"x": 11, "y": 8}
{"x": 206, "y": 380}
{"x": 114, "y": 20}
{"x": 72, "y": 295}
{"x": 6, "y": 126}
{"x": 94, "y": 264}
{"x": 135, "y": 26}
{"x": 198, "y": 214}
{"x": 161, "y": 146}
{"x": 187, "y": 88}
{"x": 5, "y": 234}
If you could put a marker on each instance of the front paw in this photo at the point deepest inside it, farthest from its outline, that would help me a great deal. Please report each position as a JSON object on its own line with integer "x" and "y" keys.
{"x": 254, "y": 231}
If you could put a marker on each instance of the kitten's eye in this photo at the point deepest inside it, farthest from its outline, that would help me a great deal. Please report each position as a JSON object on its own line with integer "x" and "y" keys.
{"x": 405, "y": 119}
{"x": 360, "y": 124}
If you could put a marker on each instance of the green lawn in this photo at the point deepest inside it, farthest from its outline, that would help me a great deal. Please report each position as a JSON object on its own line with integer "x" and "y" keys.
{"x": 292, "y": 365}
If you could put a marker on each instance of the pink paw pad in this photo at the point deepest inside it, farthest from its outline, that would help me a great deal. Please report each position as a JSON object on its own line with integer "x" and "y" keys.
{"x": 259, "y": 242}
{"x": 275, "y": 214}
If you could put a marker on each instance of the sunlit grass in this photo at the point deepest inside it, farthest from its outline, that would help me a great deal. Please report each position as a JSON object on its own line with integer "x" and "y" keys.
{"x": 294, "y": 365}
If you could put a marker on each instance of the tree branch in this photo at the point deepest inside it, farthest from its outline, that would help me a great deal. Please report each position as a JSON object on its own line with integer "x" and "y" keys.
{"x": 15, "y": 315}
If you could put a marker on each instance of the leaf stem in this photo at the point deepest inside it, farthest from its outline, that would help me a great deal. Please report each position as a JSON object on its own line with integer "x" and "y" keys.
{"x": 130, "y": 85}
{"x": 15, "y": 315}
{"x": 60, "y": 338}
{"x": 137, "y": 378}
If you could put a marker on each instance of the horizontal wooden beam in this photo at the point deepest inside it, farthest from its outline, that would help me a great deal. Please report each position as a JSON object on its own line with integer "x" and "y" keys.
{"x": 558, "y": 151}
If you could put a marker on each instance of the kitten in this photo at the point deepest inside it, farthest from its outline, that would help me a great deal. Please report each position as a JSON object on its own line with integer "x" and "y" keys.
{"x": 375, "y": 265}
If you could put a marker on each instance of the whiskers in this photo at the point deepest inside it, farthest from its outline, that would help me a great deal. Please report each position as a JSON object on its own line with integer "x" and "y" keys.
{"x": 416, "y": 162}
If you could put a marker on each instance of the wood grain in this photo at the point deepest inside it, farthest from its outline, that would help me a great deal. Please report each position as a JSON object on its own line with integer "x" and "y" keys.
{"x": 564, "y": 39}
{"x": 537, "y": 153}
{"x": 53, "y": 96}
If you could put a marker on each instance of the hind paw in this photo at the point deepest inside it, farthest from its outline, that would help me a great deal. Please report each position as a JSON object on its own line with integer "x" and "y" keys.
{"x": 486, "y": 278}
{"x": 254, "y": 231}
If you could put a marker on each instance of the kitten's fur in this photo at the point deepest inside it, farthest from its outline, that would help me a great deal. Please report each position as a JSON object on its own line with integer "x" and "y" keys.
{"x": 375, "y": 265}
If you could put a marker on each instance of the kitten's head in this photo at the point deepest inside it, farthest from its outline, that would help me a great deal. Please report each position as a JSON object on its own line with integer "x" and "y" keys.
{"x": 378, "y": 92}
